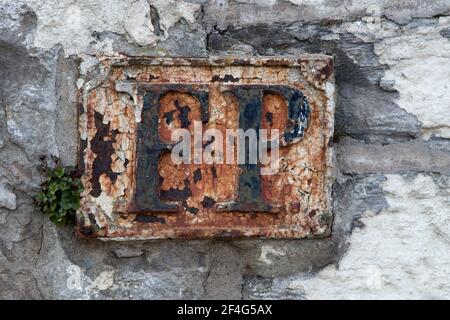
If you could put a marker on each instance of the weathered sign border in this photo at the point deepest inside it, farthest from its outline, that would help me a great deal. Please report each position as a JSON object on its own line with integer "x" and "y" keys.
{"x": 111, "y": 108}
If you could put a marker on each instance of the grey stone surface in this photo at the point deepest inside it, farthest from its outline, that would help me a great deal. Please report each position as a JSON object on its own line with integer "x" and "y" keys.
{"x": 27, "y": 91}
{"x": 358, "y": 157}
{"x": 445, "y": 32}
{"x": 66, "y": 124}
{"x": 224, "y": 13}
{"x": 390, "y": 234}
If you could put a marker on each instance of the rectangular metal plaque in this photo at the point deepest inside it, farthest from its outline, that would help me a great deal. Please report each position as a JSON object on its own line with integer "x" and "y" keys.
{"x": 226, "y": 147}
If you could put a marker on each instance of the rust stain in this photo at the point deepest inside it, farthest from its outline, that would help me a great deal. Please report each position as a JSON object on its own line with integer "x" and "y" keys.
{"x": 301, "y": 190}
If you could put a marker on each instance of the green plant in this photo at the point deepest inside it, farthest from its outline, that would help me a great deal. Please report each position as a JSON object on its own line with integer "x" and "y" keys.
{"x": 60, "y": 192}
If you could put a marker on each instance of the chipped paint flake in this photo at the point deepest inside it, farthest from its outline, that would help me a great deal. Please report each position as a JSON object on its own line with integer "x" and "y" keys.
{"x": 105, "y": 202}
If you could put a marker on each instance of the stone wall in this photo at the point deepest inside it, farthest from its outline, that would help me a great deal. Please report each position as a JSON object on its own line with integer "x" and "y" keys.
{"x": 391, "y": 231}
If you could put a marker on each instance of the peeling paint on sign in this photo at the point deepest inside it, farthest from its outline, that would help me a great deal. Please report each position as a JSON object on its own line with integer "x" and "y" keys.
{"x": 134, "y": 190}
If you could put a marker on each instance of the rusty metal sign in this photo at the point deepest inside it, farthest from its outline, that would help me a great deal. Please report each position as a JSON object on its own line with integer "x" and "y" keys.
{"x": 178, "y": 148}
